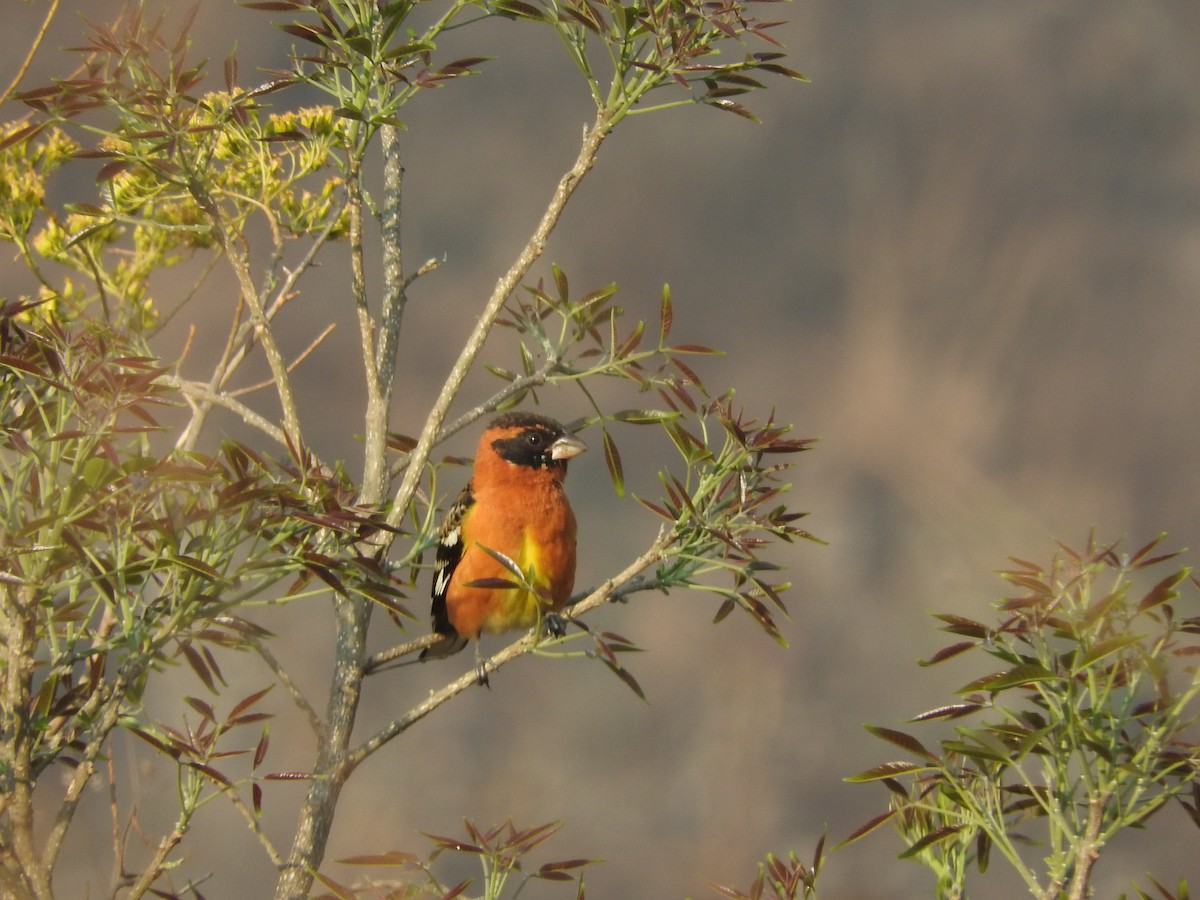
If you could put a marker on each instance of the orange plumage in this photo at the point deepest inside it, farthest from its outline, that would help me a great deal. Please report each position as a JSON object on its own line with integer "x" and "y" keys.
{"x": 514, "y": 505}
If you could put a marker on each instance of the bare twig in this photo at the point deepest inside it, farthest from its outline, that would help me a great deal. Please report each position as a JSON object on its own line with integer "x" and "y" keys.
{"x": 106, "y": 706}
{"x": 242, "y": 333}
{"x": 211, "y": 397}
{"x": 379, "y": 661}
{"x": 33, "y": 49}
{"x": 155, "y": 867}
{"x": 314, "y": 720}
{"x": 303, "y": 355}
{"x": 255, "y": 825}
{"x": 383, "y": 657}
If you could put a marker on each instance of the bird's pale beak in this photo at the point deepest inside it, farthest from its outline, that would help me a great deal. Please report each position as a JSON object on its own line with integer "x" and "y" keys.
{"x": 567, "y": 446}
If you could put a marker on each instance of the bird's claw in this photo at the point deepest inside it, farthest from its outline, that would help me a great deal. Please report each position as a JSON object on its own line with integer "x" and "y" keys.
{"x": 481, "y": 676}
{"x": 556, "y": 625}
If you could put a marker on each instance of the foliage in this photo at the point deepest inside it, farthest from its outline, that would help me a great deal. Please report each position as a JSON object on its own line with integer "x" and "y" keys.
{"x": 1088, "y": 728}
{"x": 126, "y": 552}
{"x": 790, "y": 880}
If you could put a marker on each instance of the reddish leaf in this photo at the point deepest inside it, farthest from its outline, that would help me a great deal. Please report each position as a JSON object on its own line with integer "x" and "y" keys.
{"x": 901, "y": 740}
{"x": 339, "y": 890}
{"x": 952, "y": 711}
{"x": 196, "y": 661}
{"x": 260, "y": 750}
{"x": 245, "y": 704}
{"x": 201, "y": 707}
{"x": 1163, "y": 592}
{"x": 947, "y": 652}
{"x": 666, "y": 314}
{"x": 940, "y": 834}
{"x": 866, "y": 828}
{"x": 885, "y": 770}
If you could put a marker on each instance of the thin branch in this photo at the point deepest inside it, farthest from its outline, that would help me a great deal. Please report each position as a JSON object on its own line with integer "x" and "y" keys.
{"x": 155, "y": 867}
{"x": 379, "y": 662}
{"x": 314, "y": 720}
{"x": 304, "y": 354}
{"x": 118, "y": 845}
{"x": 241, "y": 337}
{"x": 381, "y": 370}
{"x": 18, "y": 618}
{"x": 255, "y": 825}
{"x": 491, "y": 404}
{"x": 109, "y": 714}
{"x": 520, "y": 647}
{"x": 263, "y": 332}
{"x": 514, "y": 387}
{"x": 532, "y": 251}
{"x": 430, "y": 265}
{"x": 211, "y": 397}
{"x": 33, "y": 49}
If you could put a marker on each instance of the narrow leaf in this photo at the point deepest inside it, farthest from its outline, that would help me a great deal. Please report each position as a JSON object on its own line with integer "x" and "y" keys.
{"x": 901, "y": 740}
{"x": 612, "y": 459}
{"x": 940, "y": 834}
{"x": 886, "y": 770}
{"x": 866, "y": 828}
{"x": 666, "y": 315}
{"x": 1164, "y": 591}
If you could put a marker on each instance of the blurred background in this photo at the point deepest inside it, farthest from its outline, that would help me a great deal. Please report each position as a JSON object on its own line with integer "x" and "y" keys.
{"x": 966, "y": 257}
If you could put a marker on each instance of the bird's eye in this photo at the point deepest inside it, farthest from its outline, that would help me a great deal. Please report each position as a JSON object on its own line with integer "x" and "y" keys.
{"x": 534, "y": 438}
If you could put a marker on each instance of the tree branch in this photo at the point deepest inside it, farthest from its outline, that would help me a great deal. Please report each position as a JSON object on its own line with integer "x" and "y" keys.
{"x": 588, "y": 152}
{"x": 1089, "y": 848}
{"x": 206, "y": 394}
{"x": 520, "y": 647}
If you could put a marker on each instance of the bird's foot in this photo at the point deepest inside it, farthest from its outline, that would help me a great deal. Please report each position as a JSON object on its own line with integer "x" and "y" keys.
{"x": 556, "y": 625}
{"x": 481, "y": 673}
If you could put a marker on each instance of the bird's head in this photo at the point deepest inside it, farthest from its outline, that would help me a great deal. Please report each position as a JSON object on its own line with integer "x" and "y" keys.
{"x": 531, "y": 440}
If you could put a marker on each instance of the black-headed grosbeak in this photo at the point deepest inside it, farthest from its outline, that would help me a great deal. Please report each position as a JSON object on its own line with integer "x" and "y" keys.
{"x": 513, "y": 505}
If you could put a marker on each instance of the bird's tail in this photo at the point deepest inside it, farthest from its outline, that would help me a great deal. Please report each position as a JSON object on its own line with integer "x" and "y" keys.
{"x": 447, "y": 646}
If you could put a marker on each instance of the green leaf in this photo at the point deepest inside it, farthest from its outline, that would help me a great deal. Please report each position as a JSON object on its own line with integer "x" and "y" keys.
{"x": 933, "y": 837}
{"x": 560, "y": 282}
{"x": 199, "y": 566}
{"x": 411, "y": 49}
{"x": 1106, "y": 648}
{"x": 984, "y": 744}
{"x": 389, "y": 858}
{"x": 518, "y": 9}
{"x": 612, "y": 459}
{"x": 643, "y": 416}
{"x": 1027, "y": 673}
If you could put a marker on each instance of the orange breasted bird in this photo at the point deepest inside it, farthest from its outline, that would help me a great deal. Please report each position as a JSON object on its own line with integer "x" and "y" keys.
{"x": 514, "y": 506}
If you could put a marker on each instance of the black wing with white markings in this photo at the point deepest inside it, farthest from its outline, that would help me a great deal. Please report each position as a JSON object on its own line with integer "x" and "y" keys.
{"x": 449, "y": 552}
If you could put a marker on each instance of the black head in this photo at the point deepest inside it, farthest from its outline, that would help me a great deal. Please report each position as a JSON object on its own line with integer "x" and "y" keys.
{"x": 539, "y": 442}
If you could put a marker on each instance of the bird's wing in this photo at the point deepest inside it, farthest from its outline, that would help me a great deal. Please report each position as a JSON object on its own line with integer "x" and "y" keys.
{"x": 449, "y": 553}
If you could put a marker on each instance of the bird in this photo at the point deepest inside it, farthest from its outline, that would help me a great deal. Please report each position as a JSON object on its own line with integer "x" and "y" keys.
{"x": 513, "y": 512}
